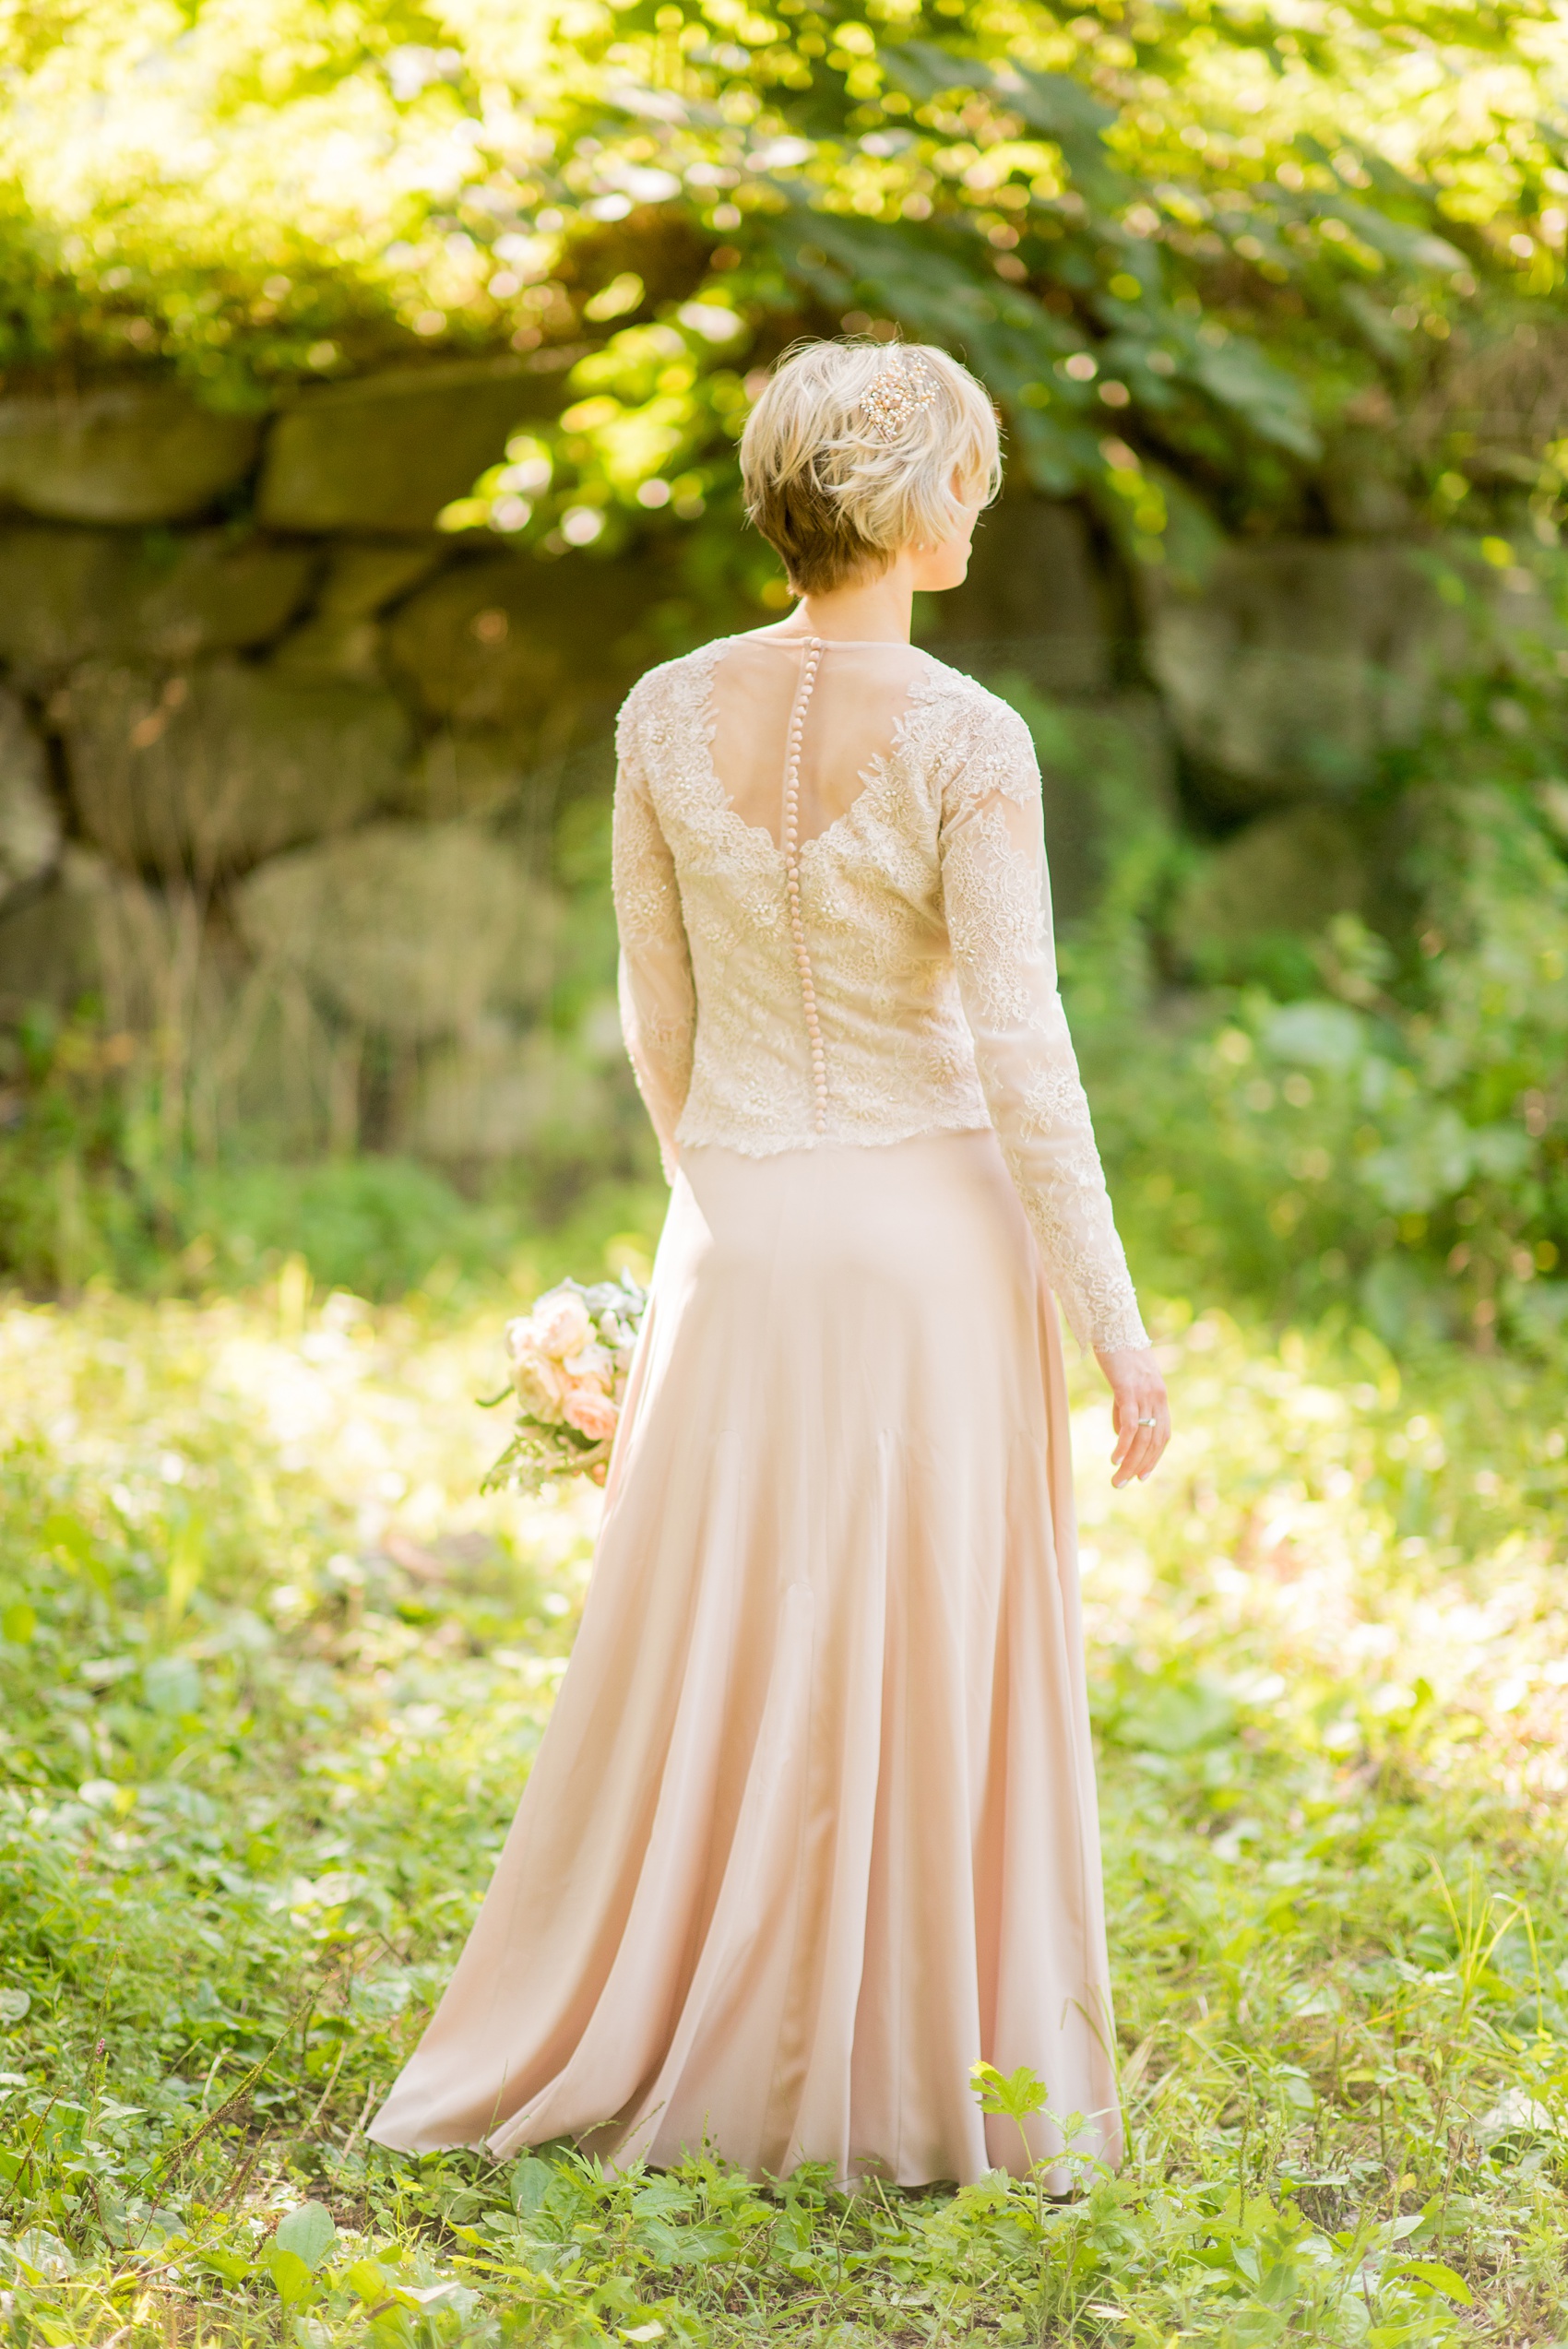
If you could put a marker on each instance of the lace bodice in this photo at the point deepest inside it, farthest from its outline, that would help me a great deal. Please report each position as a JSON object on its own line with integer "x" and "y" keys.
{"x": 872, "y": 957}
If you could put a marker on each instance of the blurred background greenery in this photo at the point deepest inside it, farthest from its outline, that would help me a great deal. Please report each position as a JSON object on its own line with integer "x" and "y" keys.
{"x": 371, "y": 383}
{"x": 370, "y": 380}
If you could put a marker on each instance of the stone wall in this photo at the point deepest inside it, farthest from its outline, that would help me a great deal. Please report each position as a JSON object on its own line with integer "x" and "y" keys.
{"x": 281, "y": 765}
{"x": 279, "y": 761}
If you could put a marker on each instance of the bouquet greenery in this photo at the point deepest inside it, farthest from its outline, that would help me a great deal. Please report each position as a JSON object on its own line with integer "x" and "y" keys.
{"x": 570, "y": 1358}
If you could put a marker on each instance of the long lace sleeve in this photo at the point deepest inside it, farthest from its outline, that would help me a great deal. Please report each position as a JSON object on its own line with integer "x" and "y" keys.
{"x": 658, "y": 1000}
{"x": 995, "y": 894}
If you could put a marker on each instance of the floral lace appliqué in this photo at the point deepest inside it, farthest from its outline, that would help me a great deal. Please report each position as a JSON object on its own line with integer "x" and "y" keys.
{"x": 922, "y": 907}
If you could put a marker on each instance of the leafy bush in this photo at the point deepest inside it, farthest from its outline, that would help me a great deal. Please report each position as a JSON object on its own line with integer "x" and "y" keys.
{"x": 91, "y": 1190}
{"x": 1202, "y": 260}
{"x": 1392, "y": 1146}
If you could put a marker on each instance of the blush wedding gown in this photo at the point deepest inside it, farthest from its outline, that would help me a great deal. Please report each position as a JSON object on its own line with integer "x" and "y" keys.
{"x": 813, "y": 1827}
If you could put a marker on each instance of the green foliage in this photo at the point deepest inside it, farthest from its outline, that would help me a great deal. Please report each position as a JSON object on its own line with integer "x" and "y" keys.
{"x": 1205, "y": 261}
{"x": 92, "y": 1188}
{"x": 1388, "y": 1142}
{"x": 1187, "y": 250}
{"x": 271, "y": 1675}
{"x": 77, "y": 1208}
{"x": 1240, "y": 276}
{"x": 1391, "y": 1146}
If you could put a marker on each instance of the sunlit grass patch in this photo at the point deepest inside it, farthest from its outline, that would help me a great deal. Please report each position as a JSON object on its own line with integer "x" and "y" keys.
{"x": 272, "y": 1674}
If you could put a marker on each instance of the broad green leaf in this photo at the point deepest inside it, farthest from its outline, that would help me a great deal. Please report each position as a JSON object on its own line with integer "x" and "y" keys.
{"x": 233, "y": 2266}
{"x": 1437, "y": 2277}
{"x": 1060, "y": 109}
{"x": 1324, "y": 1036}
{"x": 290, "y": 2273}
{"x": 448, "y": 2294}
{"x": 924, "y": 71}
{"x": 366, "y": 2278}
{"x": 1175, "y": 1717}
{"x": 1239, "y": 376}
{"x": 309, "y": 2233}
{"x": 1054, "y": 104}
{"x": 187, "y": 1558}
{"x": 172, "y": 1684}
{"x": 69, "y": 1538}
{"x": 531, "y": 2180}
{"x": 665, "y": 2198}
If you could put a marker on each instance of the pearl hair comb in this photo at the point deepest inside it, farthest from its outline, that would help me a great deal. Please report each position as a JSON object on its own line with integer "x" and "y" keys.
{"x": 903, "y": 386}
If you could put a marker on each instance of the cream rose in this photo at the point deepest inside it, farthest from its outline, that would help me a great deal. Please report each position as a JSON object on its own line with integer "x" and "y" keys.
{"x": 541, "y": 1385}
{"x": 561, "y": 1324}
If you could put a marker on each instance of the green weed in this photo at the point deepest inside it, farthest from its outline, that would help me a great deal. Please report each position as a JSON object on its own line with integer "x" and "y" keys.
{"x": 273, "y": 1670}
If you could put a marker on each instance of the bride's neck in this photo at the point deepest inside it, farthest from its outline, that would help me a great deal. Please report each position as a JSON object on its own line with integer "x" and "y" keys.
{"x": 868, "y": 610}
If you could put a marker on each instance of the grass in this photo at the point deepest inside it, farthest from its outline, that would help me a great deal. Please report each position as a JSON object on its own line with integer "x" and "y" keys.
{"x": 273, "y": 1670}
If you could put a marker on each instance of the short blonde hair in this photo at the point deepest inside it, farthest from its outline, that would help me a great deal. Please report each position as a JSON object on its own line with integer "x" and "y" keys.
{"x": 840, "y": 488}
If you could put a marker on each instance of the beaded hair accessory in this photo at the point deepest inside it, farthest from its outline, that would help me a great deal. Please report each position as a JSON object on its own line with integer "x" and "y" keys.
{"x": 903, "y": 386}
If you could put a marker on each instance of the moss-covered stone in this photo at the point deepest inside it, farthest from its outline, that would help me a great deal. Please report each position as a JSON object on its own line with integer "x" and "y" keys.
{"x": 462, "y": 775}
{"x": 328, "y": 650}
{"x": 1108, "y": 777}
{"x": 496, "y": 1095}
{"x": 514, "y": 647}
{"x": 340, "y": 641}
{"x": 360, "y": 580}
{"x": 92, "y": 931}
{"x": 30, "y": 822}
{"x": 127, "y": 453}
{"x": 412, "y": 929}
{"x": 1034, "y": 601}
{"x": 388, "y": 452}
{"x": 1286, "y": 875}
{"x": 1108, "y": 773}
{"x": 213, "y": 769}
{"x": 69, "y": 595}
{"x": 1299, "y": 662}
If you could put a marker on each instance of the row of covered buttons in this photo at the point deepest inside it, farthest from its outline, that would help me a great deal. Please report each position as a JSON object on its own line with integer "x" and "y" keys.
{"x": 790, "y": 844}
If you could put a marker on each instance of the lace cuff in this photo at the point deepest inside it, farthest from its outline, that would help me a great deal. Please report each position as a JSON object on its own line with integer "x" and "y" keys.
{"x": 657, "y": 999}
{"x": 994, "y": 890}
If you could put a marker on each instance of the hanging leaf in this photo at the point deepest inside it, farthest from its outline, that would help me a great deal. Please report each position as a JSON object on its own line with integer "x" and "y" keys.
{"x": 1237, "y": 376}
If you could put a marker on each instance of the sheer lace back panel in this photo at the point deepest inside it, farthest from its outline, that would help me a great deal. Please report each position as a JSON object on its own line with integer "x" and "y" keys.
{"x": 829, "y": 868}
{"x": 851, "y": 701}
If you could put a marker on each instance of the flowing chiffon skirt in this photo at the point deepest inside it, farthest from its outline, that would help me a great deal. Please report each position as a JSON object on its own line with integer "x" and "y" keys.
{"x": 813, "y": 1827}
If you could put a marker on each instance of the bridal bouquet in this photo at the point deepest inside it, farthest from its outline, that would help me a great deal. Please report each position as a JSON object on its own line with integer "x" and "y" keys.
{"x": 569, "y": 1361}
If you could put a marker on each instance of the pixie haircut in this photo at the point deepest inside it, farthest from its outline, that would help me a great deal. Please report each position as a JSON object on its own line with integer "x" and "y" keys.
{"x": 849, "y": 457}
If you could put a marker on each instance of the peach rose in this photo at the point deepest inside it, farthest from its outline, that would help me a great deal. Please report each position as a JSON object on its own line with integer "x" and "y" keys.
{"x": 591, "y": 1413}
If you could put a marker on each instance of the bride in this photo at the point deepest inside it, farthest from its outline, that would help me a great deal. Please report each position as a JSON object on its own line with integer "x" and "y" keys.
{"x": 813, "y": 1830}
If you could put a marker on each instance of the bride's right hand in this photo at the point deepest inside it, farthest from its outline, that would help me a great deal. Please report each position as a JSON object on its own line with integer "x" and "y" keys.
{"x": 1142, "y": 1411}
